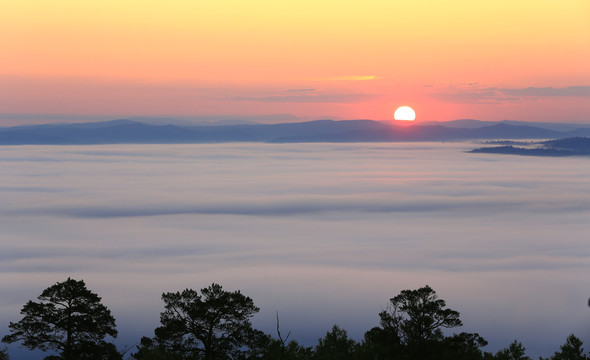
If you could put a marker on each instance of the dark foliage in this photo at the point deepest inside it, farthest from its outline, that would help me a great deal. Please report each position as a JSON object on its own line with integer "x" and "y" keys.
{"x": 213, "y": 325}
{"x": 383, "y": 343}
{"x": 4, "y": 355}
{"x": 515, "y": 351}
{"x": 336, "y": 345}
{"x": 68, "y": 319}
{"x": 463, "y": 346}
{"x": 292, "y": 351}
{"x": 571, "y": 350}
{"x": 417, "y": 316}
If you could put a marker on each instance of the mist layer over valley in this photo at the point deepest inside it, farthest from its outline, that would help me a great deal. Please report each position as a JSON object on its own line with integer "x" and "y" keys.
{"x": 322, "y": 233}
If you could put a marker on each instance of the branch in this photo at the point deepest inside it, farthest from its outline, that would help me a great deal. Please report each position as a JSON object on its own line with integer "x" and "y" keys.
{"x": 279, "y": 332}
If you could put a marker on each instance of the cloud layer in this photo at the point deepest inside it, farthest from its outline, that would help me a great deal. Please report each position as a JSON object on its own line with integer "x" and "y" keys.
{"x": 303, "y": 227}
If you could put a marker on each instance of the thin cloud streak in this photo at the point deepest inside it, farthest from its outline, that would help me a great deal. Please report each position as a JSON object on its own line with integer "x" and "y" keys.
{"x": 320, "y": 98}
{"x": 471, "y": 94}
{"x": 301, "y": 90}
{"x": 577, "y": 91}
{"x": 321, "y": 205}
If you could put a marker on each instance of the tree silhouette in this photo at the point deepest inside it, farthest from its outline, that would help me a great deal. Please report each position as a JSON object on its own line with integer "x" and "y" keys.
{"x": 4, "y": 354}
{"x": 571, "y": 350}
{"x": 382, "y": 343}
{"x": 68, "y": 319}
{"x": 336, "y": 345}
{"x": 418, "y": 316}
{"x": 515, "y": 351}
{"x": 463, "y": 346}
{"x": 212, "y": 325}
{"x": 283, "y": 341}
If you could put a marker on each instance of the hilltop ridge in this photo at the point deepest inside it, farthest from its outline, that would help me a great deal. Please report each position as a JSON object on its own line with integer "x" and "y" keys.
{"x": 132, "y": 131}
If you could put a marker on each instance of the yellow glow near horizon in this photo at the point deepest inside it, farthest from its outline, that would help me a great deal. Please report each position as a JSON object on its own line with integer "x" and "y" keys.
{"x": 338, "y": 47}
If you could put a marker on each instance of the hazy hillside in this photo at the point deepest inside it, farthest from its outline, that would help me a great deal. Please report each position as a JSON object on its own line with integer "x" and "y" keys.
{"x": 127, "y": 131}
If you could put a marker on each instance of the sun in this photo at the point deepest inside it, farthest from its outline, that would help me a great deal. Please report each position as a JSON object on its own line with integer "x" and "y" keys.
{"x": 404, "y": 113}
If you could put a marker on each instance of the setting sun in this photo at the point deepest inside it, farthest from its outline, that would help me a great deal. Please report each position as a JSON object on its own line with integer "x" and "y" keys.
{"x": 404, "y": 113}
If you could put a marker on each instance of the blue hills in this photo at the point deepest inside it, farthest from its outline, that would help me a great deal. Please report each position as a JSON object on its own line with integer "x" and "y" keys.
{"x": 130, "y": 131}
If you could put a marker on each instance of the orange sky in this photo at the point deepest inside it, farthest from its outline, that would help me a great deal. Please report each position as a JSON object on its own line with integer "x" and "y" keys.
{"x": 490, "y": 60}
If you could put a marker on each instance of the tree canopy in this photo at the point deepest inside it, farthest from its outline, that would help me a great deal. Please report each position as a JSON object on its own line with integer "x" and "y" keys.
{"x": 335, "y": 345}
{"x": 571, "y": 350}
{"x": 213, "y": 324}
{"x": 417, "y": 317}
{"x": 68, "y": 319}
{"x": 514, "y": 351}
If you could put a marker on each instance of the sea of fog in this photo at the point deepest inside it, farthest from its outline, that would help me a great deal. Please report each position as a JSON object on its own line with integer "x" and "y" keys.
{"x": 322, "y": 233}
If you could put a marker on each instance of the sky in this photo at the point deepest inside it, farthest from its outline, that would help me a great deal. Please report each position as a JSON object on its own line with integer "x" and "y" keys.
{"x": 70, "y": 60}
{"x": 322, "y": 233}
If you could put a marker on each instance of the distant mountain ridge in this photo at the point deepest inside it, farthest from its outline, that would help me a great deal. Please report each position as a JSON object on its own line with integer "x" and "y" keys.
{"x": 130, "y": 131}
